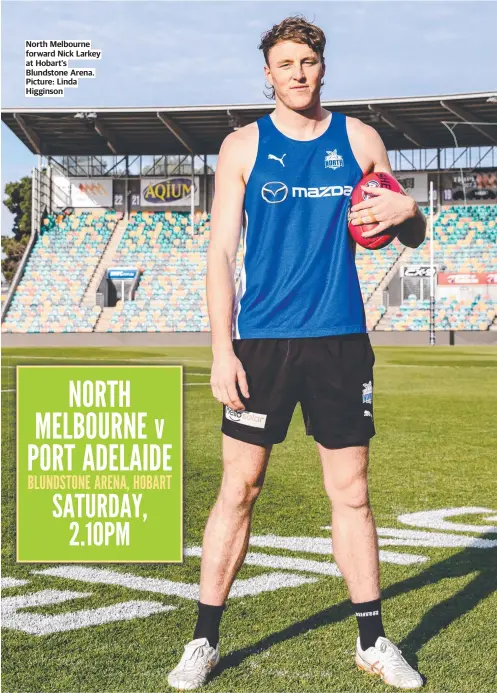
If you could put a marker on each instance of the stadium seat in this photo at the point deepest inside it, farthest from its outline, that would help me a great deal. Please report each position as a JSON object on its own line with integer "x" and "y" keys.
{"x": 57, "y": 274}
{"x": 172, "y": 258}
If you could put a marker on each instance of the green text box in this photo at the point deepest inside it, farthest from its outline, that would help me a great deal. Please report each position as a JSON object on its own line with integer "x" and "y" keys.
{"x": 90, "y": 451}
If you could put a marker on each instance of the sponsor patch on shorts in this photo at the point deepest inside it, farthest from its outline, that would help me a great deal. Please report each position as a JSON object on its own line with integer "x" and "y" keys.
{"x": 247, "y": 418}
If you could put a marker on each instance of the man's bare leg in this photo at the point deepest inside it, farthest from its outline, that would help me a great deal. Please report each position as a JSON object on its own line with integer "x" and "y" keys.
{"x": 227, "y": 531}
{"x": 355, "y": 547}
{"x": 226, "y": 538}
{"x": 355, "y": 543}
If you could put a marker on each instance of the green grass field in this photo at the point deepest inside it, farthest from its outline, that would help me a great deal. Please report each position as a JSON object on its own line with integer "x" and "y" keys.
{"x": 436, "y": 420}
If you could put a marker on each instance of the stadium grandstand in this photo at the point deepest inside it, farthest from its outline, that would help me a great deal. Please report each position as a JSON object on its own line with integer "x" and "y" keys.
{"x": 120, "y": 219}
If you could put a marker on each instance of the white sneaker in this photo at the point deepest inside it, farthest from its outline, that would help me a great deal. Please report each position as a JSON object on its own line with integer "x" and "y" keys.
{"x": 386, "y": 660}
{"x": 198, "y": 660}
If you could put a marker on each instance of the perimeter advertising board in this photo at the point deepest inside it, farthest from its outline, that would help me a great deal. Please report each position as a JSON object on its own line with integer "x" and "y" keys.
{"x": 475, "y": 185}
{"x": 459, "y": 278}
{"x": 84, "y": 192}
{"x": 172, "y": 191}
{"x": 415, "y": 184}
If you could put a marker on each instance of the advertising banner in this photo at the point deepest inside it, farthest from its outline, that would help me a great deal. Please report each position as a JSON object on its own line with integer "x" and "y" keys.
{"x": 415, "y": 184}
{"x": 467, "y": 278}
{"x": 478, "y": 185}
{"x": 122, "y": 272}
{"x": 173, "y": 191}
{"x": 86, "y": 192}
{"x": 417, "y": 271}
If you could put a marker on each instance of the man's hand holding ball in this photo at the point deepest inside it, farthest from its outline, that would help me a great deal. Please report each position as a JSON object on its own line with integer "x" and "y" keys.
{"x": 379, "y": 206}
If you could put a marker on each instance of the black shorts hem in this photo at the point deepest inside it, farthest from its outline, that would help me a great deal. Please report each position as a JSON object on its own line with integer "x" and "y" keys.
{"x": 341, "y": 443}
{"x": 253, "y": 438}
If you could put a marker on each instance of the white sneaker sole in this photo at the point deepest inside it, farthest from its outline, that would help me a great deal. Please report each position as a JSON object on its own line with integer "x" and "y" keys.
{"x": 188, "y": 685}
{"x": 365, "y": 666}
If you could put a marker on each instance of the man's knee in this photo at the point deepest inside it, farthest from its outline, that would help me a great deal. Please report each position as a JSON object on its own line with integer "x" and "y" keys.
{"x": 243, "y": 475}
{"x": 345, "y": 474}
{"x": 351, "y": 495}
{"x": 352, "y": 501}
{"x": 239, "y": 494}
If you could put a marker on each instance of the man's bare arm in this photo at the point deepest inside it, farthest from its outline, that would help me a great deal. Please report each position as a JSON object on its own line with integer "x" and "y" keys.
{"x": 413, "y": 230}
{"x": 226, "y": 222}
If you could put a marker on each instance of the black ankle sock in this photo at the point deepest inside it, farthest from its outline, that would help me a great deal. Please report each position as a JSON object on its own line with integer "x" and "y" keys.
{"x": 209, "y": 618}
{"x": 368, "y": 616}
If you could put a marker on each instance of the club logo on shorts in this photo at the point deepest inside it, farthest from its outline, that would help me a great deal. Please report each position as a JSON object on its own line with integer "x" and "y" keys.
{"x": 367, "y": 393}
{"x": 333, "y": 160}
{"x": 247, "y": 418}
{"x": 274, "y": 191}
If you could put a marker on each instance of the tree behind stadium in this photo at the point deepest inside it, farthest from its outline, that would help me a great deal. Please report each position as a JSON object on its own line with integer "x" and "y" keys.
{"x": 18, "y": 202}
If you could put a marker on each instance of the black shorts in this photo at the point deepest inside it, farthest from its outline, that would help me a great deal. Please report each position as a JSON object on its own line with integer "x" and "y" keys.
{"x": 331, "y": 377}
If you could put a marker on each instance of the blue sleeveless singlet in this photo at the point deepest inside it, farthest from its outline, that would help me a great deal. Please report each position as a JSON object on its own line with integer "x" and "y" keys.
{"x": 299, "y": 277}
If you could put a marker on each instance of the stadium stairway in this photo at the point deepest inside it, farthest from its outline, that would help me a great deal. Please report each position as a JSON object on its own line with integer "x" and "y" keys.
{"x": 403, "y": 259}
{"x": 57, "y": 272}
{"x": 104, "y": 264}
{"x": 386, "y": 318}
{"x": 103, "y": 322}
{"x": 374, "y": 307}
{"x": 377, "y": 315}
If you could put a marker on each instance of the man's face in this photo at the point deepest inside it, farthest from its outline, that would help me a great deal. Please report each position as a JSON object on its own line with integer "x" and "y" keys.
{"x": 295, "y": 72}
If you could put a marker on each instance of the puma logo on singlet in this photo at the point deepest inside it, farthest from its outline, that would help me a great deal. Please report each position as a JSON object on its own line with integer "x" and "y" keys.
{"x": 272, "y": 156}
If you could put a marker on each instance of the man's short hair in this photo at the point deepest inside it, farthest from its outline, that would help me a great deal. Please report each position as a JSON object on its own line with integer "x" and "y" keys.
{"x": 297, "y": 29}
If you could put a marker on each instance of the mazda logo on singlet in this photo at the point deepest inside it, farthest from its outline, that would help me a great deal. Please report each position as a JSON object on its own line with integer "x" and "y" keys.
{"x": 274, "y": 191}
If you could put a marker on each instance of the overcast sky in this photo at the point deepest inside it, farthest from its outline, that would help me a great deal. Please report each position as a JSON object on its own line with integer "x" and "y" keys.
{"x": 192, "y": 53}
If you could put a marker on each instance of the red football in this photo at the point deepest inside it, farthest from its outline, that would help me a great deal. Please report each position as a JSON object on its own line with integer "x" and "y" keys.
{"x": 373, "y": 180}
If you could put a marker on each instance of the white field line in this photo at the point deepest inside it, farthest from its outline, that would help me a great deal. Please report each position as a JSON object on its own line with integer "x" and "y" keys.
{"x": 267, "y": 582}
{"x": 265, "y": 560}
{"x": 204, "y": 373}
{"x": 43, "y": 624}
{"x": 387, "y": 537}
{"x": 425, "y": 365}
{"x": 154, "y": 359}
{"x": 7, "y": 582}
{"x": 186, "y": 385}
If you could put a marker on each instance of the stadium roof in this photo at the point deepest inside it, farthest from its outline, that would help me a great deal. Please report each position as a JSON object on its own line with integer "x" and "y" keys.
{"x": 403, "y": 123}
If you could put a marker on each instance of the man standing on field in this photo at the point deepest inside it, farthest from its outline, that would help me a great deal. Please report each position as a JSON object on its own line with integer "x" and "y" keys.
{"x": 294, "y": 331}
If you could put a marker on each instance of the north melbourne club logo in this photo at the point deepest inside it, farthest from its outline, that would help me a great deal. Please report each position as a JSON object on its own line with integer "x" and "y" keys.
{"x": 367, "y": 393}
{"x": 333, "y": 160}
